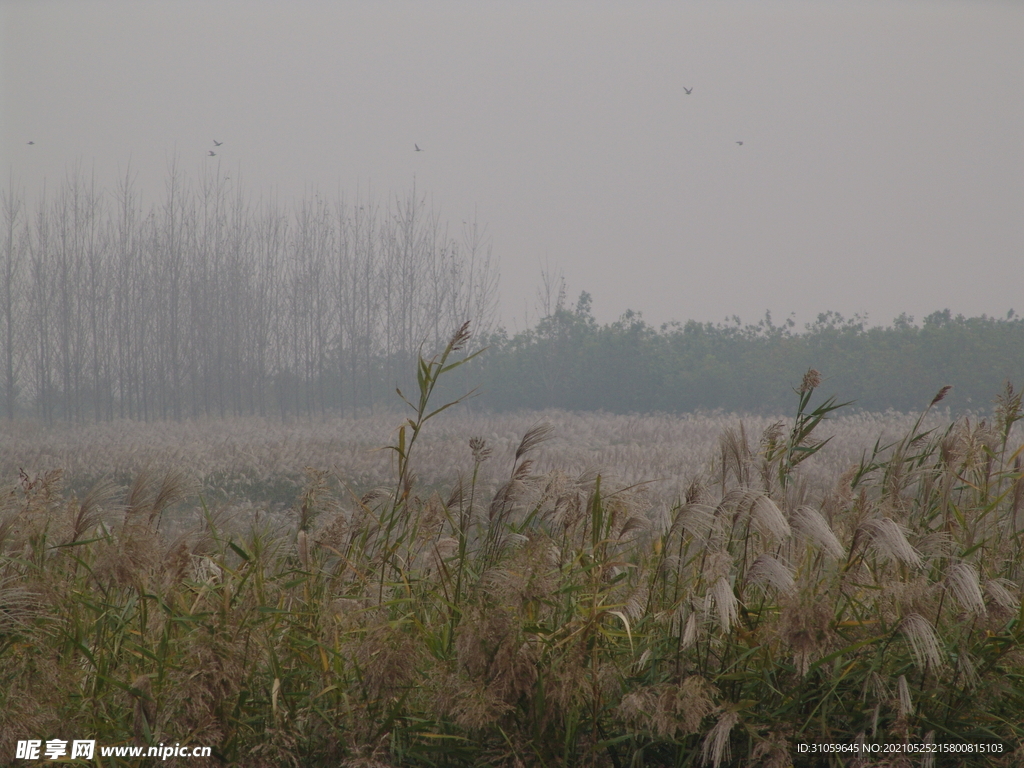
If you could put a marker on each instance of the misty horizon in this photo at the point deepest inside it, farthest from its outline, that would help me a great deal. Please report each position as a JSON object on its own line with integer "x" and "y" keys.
{"x": 689, "y": 161}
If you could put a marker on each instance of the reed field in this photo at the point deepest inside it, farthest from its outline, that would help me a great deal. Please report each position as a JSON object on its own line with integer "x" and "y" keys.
{"x": 444, "y": 587}
{"x": 247, "y": 460}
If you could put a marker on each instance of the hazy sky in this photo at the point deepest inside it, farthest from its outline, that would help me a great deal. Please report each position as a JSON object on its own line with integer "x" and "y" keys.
{"x": 881, "y": 170}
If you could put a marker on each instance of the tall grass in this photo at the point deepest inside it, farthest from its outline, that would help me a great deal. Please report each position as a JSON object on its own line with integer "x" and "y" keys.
{"x": 552, "y": 620}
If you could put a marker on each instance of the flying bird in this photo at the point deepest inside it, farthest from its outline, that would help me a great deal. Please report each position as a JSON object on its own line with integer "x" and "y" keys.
{"x": 740, "y": 143}
{"x": 688, "y": 90}
{"x": 217, "y": 143}
{"x": 212, "y": 153}
{"x": 417, "y": 147}
{"x": 31, "y": 142}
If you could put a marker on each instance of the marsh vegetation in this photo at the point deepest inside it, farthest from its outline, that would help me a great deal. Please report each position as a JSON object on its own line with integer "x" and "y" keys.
{"x": 496, "y": 605}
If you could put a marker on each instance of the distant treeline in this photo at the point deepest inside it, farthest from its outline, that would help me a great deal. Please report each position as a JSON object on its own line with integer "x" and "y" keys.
{"x": 207, "y": 304}
{"x": 570, "y": 361}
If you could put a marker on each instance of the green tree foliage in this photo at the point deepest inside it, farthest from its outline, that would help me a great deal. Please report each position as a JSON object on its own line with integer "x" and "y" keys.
{"x": 570, "y": 361}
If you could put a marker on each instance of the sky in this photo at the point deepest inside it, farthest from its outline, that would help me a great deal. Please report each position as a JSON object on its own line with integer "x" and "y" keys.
{"x": 881, "y": 169}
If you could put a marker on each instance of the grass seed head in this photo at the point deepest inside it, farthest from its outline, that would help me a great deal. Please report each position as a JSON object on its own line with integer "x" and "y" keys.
{"x": 889, "y": 539}
{"x": 722, "y": 597}
{"x": 772, "y": 752}
{"x": 670, "y": 710}
{"x": 805, "y": 628}
{"x": 481, "y": 451}
{"x": 962, "y": 582}
{"x": 534, "y": 437}
{"x": 967, "y": 670}
{"x": 98, "y": 503}
{"x": 940, "y": 396}
{"x": 998, "y": 590}
{"x": 460, "y": 338}
{"x": 811, "y": 524}
{"x": 716, "y": 748}
{"x": 690, "y": 631}
{"x": 769, "y": 570}
{"x": 769, "y": 518}
{"x": 698, "y": 520}
{"x": 923, "y": 641}
{"x": 19, "y": 605}
{"x": 811, "y": 380}
{"x": 906, "y": 705}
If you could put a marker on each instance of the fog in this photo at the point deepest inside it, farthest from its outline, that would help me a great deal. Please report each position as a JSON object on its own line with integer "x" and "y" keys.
{"x": 881, "y": 168}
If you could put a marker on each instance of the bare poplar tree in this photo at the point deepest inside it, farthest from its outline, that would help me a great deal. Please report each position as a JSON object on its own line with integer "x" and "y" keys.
{"x": 171, "y": 281}
{"x": 205, "y": 306}
{"x": 126, "y": 279}
{"x": 97, "y": 299}
{"x": 40, "y": 302}
{"x": 271, "y": 235}
{"x": 67, "y": 216}
{"x": 357, "y": 298}
{"x": 309, "y": 302}
{"x": 239, "y": 303}
{"x": 480, "y": 302}
{"x": 12, "y": 295}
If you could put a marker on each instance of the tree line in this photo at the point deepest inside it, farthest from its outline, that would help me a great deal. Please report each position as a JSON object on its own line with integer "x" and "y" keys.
{"x": 570, "y": 361}
{"x": 208, "y": 304}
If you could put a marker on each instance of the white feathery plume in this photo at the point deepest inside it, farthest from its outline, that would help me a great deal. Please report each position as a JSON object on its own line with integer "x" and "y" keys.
{"x": 698, "y": 519}
{"x": 769, "y": 518}
{"x": 690, "y": 631}
{"x": 767, "y": 569}
{"x": 903, "y": 690}
{"x": 1001, "y": 596}
{"x": 890, "y": 540}
{"x": 716, "y": 744}
{"x": 725, "y": 602}
{"x": 967, "y": 669}
{"x": 962, "y": 581}
{"x": 923, "y": 642}
{"x": 810, "y": 523}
